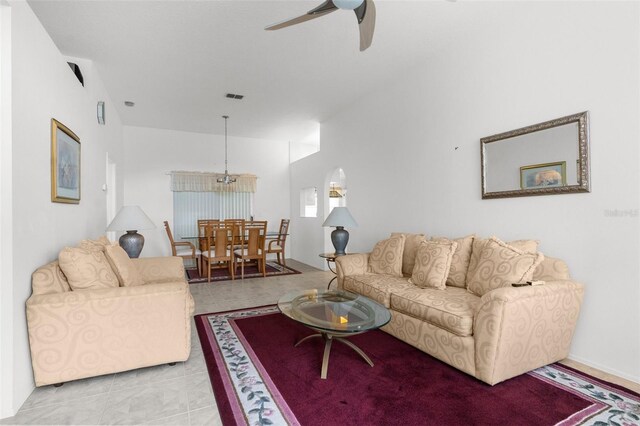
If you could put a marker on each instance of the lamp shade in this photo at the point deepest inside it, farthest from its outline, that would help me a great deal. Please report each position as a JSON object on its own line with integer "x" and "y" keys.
{"x": 130, "y": 218}
{"x": 340, "y": 216}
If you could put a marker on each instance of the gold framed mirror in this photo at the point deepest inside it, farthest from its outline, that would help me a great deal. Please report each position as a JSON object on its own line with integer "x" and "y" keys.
{"x": 543, "y": 159}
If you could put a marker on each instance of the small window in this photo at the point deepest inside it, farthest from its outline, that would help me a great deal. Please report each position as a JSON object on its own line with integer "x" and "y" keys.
{"x": 309, "y": 202}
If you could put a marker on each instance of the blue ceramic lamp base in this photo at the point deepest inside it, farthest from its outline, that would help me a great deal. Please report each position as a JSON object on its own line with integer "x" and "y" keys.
{"x": 340, "y": 238}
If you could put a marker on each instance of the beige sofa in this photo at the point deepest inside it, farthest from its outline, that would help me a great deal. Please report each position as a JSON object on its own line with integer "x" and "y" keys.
{"x": 504, "y": 333}
{"x": 78, "y": 333}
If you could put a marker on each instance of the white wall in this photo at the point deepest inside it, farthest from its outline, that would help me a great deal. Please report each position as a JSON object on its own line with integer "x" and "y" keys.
{"x": 151, "y": 153}
{"x": 398, "y": 150}
{"x": 43, "y": 88}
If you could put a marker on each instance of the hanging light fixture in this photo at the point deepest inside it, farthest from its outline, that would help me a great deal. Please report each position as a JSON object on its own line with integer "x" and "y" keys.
{"x": 227, "y": 178}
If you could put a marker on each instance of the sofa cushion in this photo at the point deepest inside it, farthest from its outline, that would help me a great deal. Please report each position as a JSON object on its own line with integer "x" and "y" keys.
{"x": 460, "y": 263}
{"x": 49, "y": 279}
{"x": 432, "y": 264}
{"x": 86, "y": 269}
{"x": 530, "y": 246}
{"x": 500, "y": 265}
{"x": 452, "y": 309}
{"x": 376, "y": 287}
{"x": 411, "y": 244}
{"x": 123, "y": 266}
{"x": 386, "y": 257}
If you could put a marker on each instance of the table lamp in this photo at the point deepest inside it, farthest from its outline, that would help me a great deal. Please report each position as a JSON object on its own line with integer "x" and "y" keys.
{"x": 340, "y": 217}
{"x": 131, "y": 219}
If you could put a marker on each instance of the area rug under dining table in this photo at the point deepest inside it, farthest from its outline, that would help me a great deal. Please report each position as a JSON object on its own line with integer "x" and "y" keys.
{"x": 250, "y": 271}
{"x": 260, "y": 378}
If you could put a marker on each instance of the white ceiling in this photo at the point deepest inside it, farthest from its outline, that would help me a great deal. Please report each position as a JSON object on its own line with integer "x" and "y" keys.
{"x": 177, "y": 59}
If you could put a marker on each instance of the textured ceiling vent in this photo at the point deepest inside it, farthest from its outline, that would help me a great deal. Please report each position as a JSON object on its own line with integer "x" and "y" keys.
{"x": 234, "y": 96}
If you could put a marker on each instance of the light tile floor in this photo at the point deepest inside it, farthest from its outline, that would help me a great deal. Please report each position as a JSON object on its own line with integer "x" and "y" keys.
{"x": 179, "y": 394}
{"x": 161, "y": 395}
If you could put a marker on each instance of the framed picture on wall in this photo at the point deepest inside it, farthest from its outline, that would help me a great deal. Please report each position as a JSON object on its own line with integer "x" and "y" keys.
{"x": 65, "y": 164}
{"x": 545, "y": 175}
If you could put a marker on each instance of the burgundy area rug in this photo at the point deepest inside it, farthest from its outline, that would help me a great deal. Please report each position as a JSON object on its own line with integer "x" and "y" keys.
{"x": 260, "y": 378}
{"x": 250, "y": 271}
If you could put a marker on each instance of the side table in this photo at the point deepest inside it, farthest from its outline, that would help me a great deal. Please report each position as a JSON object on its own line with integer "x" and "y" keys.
{"x": 331, "y": 258}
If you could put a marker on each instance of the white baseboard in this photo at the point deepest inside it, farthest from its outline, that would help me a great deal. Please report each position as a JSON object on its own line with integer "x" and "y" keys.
{"x": 605, "y": 369}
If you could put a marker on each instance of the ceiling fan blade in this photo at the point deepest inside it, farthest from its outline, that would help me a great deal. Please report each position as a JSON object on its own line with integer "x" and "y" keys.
{"x": 323, "y": 9}
{"x": 366, "y": 14}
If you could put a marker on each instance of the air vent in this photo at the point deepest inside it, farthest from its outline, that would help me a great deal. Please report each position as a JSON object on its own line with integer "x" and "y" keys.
{"x": 76, "y": 70}
{"x": 234, "y": 96}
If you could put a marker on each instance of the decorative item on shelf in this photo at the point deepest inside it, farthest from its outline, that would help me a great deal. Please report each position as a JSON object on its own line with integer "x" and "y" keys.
{"x": 101, "y": 112}
{"x": 340, "y": 217}
{"x": 131, "y": 219}
{"x": 333, "y": 192}
{"x": 227, "y": 178}
{"x": 65, "y": 164}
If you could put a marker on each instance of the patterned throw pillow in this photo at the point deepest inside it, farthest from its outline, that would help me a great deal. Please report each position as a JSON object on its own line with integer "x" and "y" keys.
{"x": 95, "y": 245}
{"x": 529, "y": 246}
{"x": 460, "y": 262}
{"x": 500, "y": 265}
{"x": 386, "y": 257}
{"x": 86, "y": 269}
{"x": 127, "y": 274}
{"x": 433, "y": 261}
{"x": 411, "y": 244}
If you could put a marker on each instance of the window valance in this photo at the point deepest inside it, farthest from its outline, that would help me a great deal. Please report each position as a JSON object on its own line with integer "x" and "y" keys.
{"x": 207, "y": 182}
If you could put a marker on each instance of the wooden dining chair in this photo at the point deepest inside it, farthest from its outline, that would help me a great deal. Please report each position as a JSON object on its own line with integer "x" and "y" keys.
{"x": 183, "y": 249}
{"x": 252, "y": 245}
{"x": 237, "y": 224}
{"x": 276, "y": 245}
{"x": 217, "y": 236}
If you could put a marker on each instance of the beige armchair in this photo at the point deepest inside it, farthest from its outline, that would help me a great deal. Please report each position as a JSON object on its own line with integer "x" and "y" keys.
{"x": 86, "y": 333}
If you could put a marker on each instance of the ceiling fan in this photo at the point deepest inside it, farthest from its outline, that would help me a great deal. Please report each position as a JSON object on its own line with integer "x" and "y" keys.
{"x": 365, "y": 13}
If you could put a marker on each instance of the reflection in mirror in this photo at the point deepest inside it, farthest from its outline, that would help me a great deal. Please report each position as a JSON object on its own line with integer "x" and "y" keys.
{"x": 546, "y": 158}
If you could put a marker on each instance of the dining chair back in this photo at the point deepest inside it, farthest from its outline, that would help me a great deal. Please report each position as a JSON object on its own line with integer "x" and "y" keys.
{"x": 276, "y": 245}
{"x": 217, "y": 237}
{"x": 202, "y": 241}
{"x": 237, "y": 224}
{"x": 252, "y": 240}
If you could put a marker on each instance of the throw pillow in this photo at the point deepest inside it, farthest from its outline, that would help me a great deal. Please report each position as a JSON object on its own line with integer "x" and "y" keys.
{"x": 386, "y": 257}
{"x": 500, "y": 265}
{"x": 123, "y": 266}
{"x": 530, "y": 246}
{"x": 433, "y": 261}
{"x": 460, "y": 262}
{"x": 95, "y": 245}
{"x": 411, "y": 244}
{"x": 86, "y": 269}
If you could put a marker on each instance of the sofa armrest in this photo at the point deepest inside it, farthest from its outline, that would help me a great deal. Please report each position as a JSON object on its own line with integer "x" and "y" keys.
{"x": 160, "y": 269}
{"x": 518, "y": 329}
{"x": 86, "y": 333}
{"x": 351, "y": 264}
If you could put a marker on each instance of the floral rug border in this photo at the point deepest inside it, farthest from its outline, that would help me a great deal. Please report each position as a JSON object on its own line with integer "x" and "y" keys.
{"x": 255, "y": 400}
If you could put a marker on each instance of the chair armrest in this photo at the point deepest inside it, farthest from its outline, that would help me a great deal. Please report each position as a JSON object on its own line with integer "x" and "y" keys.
{"x": 160, "y": 269}
{"x": 518, "y": 329}
{"x": 86, "y": 333}
{"x": 351, "y": 264}
{"x": 271, "y": 241}
{"x": 186, "y": 244}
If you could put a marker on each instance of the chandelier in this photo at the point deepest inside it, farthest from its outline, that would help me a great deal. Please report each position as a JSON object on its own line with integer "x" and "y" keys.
{"x": 227, "y": 178}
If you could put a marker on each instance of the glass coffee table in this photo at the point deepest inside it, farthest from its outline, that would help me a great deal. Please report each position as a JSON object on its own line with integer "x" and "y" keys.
{"x": 335, "y": 315}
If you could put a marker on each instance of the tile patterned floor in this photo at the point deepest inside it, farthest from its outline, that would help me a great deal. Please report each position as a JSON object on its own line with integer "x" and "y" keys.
{"x": 161, "y": 395}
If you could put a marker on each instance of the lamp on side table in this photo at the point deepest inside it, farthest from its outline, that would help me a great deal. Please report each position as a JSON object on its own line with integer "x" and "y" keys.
{"x": 340, "y": 217}
{"x": 131, "y": 219}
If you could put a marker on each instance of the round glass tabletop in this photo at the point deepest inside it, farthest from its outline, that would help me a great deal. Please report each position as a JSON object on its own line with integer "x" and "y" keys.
{"x": 335, "y": 311}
